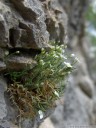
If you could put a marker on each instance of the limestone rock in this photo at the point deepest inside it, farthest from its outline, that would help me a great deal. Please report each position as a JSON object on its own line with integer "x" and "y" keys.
{"x": 56, "y": 21}
{"x": 6, "y": 124}
{"x": 3, "y": 32}
{"x": 19, "y": 62}
{"x": 3, "y": 87}
{"x": 7, "y": 20}
{"x": 46, "y": 124}
{"x": 76, "y": 111}
{"x": 2, "y": 53}
{"x": 12, "y": 110}
{"x": 27, "y": 19}
{"x": 2, "y": 66}
{"x": 86, "y": 86}
{"x": 24, "y": 25}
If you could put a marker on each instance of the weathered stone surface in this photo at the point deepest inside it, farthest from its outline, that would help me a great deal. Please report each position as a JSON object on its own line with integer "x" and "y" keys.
{"x": 26, "y": 17}
{"x": 6, "y": 124}
{"x": 3, "y": 87}
{"x": 33, "y": 23}
{"x": 76, "y": 111}
{"x": 19, "y": 62}
{"x": 2, "y": 66}
{"x": 56, "y": 21}
{"x": 3, "y": 32}
{"x": 75, "y": 11}
{"x": 7, "y": 20}
{"x": 2, "y": 53}
{"x": 23, "y": 25}
{"x": 3, "y": 111}
{"x": 79, "y": 95}
{"x": 12, "y": 110}
{"x": 20, "y": 37}
{"x": 86, "y": 86}
{"x": 26, "y": 38}
{"x": 47, "y": 123}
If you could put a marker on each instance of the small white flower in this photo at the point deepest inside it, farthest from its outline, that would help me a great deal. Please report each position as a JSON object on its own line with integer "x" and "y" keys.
{"x": 69, "y": 72}
{"x": 55, "y": 56}
{"x": 62, "y": 56}
{"x": 50, "y": 65}
{"x": 6, "y": 53}
{"x": 72, "y": 55}
{"x": 65, "y": 57}
{"x": 62, "y": 46}
{"x": 68, "y": 64}
{"x": 42, "y": 83}
{"x": 42, "y": 49}
{"x": 17, "y": 52}
{"x": 63, "y": 51}
{"x": 56, "y": 93}
{"x": 40, "y": 114}
{"x": 42, "y": 62}
{"x": 77, "y": 59}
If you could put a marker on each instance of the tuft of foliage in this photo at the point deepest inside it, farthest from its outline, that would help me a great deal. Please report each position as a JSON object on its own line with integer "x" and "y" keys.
{"x": 36, "y": 89}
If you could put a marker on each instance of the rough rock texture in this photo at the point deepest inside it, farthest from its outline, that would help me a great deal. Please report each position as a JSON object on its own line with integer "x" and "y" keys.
{"x": 22, "y": 34}
{"x": 79, "y": 97}
{"x": 22, "y": 24}
{"x": 56, "y": 21}
{"x": 19, "y": 62}
{"x": 26, "y": 26}
{"x": 3, "y": 87}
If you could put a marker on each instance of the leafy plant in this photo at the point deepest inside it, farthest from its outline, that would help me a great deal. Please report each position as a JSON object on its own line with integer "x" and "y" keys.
{"x": 34, "y": 90}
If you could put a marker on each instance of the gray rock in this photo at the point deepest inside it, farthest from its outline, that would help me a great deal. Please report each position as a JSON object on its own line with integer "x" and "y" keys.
{"x": 76, "y": 111}
{"x": 56, "y": 21}
{"x": 4, "y": 34}
{"x": 3, "y": 53}
{"x": 27, "y": 123}
{"x": 33, "y": 24}
{"x": 20, "y": 37}
{"x": 3, "y": 87}
{"x": 12, "y": 110}
{"x": 2, "y": 66}
{"x": 19, "y": 62}
{"x": 29, "y": 16}
{"x": 5, "y": 112}
{"x": 86, "y": 86}
{"x": 7, "y": 21}
{"x": 6, "y": 124}
{"x": 23, "y": 27}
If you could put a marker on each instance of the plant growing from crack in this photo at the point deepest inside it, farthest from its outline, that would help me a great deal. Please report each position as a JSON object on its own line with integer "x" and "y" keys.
{"x": 34, "y": 90}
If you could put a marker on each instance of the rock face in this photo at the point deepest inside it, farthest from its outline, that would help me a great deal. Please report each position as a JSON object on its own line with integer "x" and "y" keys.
{"x": 3, "y": 87}
{"x": 78, "y": 109}
{"x": 22, "y": 34}
{"x": 22, "y": 24}
{"x": 26, "y": 26}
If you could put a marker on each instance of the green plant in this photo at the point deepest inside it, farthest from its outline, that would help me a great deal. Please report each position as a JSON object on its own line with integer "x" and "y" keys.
{"x": 41, "y": 86}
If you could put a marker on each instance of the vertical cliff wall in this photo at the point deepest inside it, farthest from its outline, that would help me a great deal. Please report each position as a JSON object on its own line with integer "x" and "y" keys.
{"x": 78, "y": 107}
{"x": 27, "y": 26}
